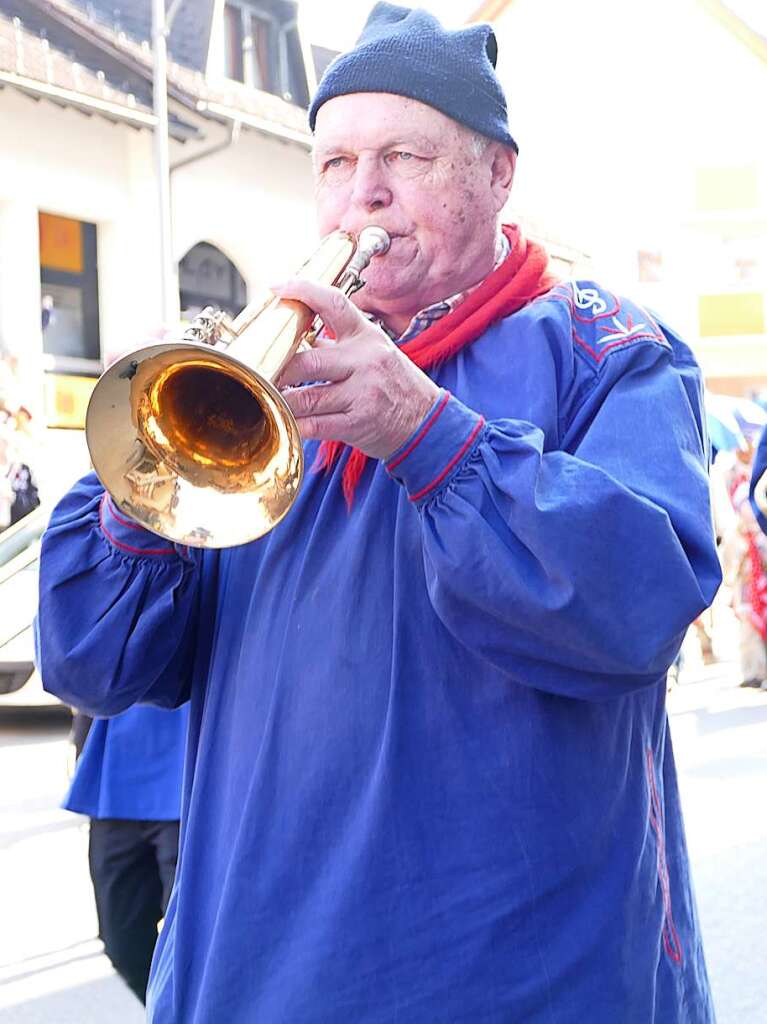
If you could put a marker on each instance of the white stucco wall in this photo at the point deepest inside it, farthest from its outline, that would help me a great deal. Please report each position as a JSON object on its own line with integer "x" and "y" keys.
{"x": 615, "y": 106}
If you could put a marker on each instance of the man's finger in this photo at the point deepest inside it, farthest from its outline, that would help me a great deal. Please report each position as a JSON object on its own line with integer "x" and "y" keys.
{"x": 334, "y": 427}
{"x": 316, "y": 364}
{"x": 339, "y": 315}
{"x": 317, "y": 400}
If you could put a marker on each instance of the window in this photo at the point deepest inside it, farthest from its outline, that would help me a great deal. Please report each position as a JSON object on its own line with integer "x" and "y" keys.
{"x": 262, "y": 48}
{"x": 69, "y": 288}
{"x": 234, "y": 64}
{"x": 208, "y": 278}
{"x": 247, "y": 38}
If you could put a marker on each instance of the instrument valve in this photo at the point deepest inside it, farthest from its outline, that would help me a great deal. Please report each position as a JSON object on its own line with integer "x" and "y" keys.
{"x": 208, "y": 326}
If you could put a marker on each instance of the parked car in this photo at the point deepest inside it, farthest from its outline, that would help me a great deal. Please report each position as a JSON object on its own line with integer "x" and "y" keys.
{"x": 20, "y": 683}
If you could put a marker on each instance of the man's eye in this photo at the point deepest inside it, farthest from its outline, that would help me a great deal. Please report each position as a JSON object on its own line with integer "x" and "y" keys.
{"x": 400, "y": 154}
{"x": 334, "y": 162}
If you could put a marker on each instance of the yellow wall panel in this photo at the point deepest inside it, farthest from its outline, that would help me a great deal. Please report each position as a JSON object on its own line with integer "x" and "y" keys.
{"x": 731, "y": 314}
{"x": 727, "y": 188}
{"x": 66, "y": 400}
{"x": 61, "y": 243}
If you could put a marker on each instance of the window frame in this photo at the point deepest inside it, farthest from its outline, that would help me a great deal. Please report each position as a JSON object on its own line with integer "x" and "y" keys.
{"x": 276, "y": 76}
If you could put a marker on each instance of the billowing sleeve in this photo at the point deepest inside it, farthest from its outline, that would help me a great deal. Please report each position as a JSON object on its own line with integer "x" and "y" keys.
{"x": 575, "y": 569}
{"x": 118, "y": 608}
{"x": 758, "y": 493}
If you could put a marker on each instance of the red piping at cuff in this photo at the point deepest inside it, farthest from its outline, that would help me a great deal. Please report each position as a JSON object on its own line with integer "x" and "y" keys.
{"x": 437, "y": 448}
{"x": 128, "y": 536}
{"x": 431, "y": 418}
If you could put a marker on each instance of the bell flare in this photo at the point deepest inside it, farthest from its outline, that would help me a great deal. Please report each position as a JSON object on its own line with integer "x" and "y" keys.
{"x": 194, "y": 445}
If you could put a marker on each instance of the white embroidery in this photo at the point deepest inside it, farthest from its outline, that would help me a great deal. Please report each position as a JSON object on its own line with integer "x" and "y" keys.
{"x": 623, "y": 333}
{"x": 588, "y": 298}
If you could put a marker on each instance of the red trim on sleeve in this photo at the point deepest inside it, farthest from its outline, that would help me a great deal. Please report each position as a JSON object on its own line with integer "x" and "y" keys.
{"x": 120, "y": 519}
{"x": 459, "y": 455}
{"x": 431, "y": 420}
{"x": 128, "y": 547}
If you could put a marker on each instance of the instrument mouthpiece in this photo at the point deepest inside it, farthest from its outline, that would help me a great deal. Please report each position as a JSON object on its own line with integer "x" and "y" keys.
{"x": 373, "y": 241}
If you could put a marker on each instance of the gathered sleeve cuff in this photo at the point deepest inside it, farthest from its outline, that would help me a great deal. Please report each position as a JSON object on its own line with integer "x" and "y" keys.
{"x": 118, "y": 608}
{"x": 437, "y": 449}
{"x": 128, "y": 537}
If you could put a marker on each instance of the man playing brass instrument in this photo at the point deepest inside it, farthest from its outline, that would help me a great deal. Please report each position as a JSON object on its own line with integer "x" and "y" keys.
{"x": 429, "y": 776}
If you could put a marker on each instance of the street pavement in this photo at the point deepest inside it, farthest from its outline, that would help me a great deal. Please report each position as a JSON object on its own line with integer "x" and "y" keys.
{"x": 52, "y": 969}
{"x": 720, "y": 740}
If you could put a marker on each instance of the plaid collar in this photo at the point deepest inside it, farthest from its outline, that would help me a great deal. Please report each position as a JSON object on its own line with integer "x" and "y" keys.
{"x": 426, "y": 317}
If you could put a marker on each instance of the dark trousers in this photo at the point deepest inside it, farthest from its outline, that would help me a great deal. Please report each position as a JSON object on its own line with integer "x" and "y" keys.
{"x": 132, "y": 866}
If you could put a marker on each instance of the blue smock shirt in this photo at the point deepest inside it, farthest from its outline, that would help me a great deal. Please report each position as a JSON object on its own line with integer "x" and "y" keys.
{"x": 758, "y": 471}
{"x": 131, "y": 766}
{"x": 429, "y": 776}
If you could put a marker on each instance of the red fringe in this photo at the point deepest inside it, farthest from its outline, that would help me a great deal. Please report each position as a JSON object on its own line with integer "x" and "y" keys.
{"x": 522, "y": 277}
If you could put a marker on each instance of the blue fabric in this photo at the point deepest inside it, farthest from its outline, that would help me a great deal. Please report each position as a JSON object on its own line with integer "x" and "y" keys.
{"x": 131, "y": 766}
{"x": 407, "y": 52}
{"x": 758, "y": 471}
{"x": 429, "y": 776}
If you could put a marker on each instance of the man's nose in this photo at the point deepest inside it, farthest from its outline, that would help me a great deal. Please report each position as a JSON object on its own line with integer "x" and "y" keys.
{"x": 371, "y": 191}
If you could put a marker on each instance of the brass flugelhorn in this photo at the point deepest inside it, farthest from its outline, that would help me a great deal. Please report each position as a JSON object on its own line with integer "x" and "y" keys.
{"x": 191, "y": 438}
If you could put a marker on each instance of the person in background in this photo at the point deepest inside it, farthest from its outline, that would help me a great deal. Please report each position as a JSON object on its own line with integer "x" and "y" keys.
{"x": 7, "y": 475}
{"x": 47, "y": 312}
{"x": 758, "y": 484}
{"x": 430, "y": 777}
{"x": 128, "y": 782}
{"x": 8, "y": 387}
{"x": 744, "y": 556}
{"x": 18, "y": 489}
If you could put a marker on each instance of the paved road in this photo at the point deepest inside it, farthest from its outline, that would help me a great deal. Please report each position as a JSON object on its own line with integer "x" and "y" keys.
{"x": 52, "y": 970}
{"x": 720, "y": 741}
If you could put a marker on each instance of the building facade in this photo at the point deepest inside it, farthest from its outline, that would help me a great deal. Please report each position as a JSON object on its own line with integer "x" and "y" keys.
{"x": 79, "y": 244}
{"x": 641, "y": 143}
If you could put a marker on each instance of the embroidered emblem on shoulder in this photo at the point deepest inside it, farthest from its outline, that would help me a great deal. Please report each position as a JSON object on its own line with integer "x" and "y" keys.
{"x": 600, "y": 323}
{"x": 589, "y": 299}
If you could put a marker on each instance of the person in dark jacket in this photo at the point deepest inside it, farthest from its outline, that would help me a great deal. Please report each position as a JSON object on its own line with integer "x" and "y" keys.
{"x": 128, "y": 781}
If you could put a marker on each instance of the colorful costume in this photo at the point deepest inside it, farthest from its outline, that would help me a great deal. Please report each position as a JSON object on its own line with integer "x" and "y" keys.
{"x": 429, "y": 776}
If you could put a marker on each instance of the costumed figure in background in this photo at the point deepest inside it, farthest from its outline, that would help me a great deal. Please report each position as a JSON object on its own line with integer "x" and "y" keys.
{"x": 758, "y": 484}
{"x": 128, "y": 781}
{"x": 744, "y": 556}
{"x": 429, "y": 775}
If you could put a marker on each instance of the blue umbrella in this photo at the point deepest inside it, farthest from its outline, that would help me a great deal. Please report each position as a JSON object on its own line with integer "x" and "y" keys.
{"x": 724, "y": 429}
{"x": 751, "y": 415}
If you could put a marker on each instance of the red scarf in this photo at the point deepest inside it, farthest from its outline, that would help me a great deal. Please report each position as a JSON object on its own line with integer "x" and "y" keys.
{"x": 521, "y": 277}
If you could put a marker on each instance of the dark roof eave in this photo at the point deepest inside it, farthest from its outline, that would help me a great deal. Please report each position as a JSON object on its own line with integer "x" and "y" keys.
{"x": 185, "y": 98}
{"x": 68, "y": 97}
{"x": 221, "y": 112}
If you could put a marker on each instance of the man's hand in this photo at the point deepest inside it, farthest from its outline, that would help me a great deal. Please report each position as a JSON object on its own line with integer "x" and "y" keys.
{"x": 371, "y": 396}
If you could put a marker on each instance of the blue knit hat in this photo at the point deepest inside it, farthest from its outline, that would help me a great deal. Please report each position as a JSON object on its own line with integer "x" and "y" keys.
{"x": 407, "y": 52}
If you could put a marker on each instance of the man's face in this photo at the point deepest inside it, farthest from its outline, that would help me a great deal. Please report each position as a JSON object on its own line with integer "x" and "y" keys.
{"x": 396, "y": 163}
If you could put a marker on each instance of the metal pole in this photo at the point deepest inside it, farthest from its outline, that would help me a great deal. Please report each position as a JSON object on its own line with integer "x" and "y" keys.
{"x": 168, "y": 289}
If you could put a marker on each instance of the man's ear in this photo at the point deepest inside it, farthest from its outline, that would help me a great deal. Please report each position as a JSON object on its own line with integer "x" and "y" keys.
{"x": 504, "y": 162}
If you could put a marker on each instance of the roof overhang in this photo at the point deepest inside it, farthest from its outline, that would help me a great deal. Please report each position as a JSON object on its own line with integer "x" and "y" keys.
{"x": 81, "y": 101}
{"x": 247, "y": 120}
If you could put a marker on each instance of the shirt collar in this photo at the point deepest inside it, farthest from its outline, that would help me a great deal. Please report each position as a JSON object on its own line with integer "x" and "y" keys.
{"x": 426, "y": 317}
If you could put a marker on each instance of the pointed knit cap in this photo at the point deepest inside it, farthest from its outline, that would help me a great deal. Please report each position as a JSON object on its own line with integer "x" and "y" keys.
{"x": 407, "y": 52}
